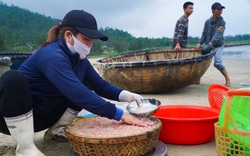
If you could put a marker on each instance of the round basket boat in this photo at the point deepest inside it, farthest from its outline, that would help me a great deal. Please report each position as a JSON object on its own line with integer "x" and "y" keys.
{"x": 17, "y": 58}
{"x": 5, "y": 63}
{"x": 132, "y": 145}
{"x": 154, "y": 71}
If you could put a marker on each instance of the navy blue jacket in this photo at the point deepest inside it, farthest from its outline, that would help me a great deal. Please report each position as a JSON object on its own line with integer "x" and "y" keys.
{"x": 54, "y": 73}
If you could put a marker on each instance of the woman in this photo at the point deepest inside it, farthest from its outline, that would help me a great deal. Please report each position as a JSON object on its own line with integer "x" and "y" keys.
{"x": 55, "y": 83}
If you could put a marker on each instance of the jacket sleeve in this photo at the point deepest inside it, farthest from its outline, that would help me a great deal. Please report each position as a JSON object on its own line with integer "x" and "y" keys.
{"x": 217, "y": 39}
{"x": 101, "y": 86}
{"x": 59, "y": 72}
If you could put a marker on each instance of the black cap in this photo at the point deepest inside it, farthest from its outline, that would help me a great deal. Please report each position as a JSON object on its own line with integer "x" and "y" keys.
{"x": 217, "y": 5}
{"x": 84, "y": 22}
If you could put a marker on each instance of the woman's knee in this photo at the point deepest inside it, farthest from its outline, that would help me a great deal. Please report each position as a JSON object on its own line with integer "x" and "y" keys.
{"x": 13, "y": 79}
{"x": 15, "y": 94}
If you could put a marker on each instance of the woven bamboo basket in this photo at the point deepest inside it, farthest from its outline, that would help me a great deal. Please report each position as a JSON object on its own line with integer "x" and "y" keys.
{"x": 133, "y": 145}
{"x": 232, "y": 140}
{"x": 154, "y": 71}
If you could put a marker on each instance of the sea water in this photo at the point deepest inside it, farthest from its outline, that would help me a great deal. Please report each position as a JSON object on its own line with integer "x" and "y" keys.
{"x": 237, "y": 52}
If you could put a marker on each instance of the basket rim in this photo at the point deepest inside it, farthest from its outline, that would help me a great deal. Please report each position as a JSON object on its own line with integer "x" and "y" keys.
{"x": 231, "y": 130}
{"x": 16, "y": 55}
{"x": 190, "y": 119}
{"x": 152, "y": 63}
{"x": 67, "y": 130}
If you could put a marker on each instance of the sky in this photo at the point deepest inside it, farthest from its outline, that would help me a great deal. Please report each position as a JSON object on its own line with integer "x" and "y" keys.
{"x": 146, "y": 18}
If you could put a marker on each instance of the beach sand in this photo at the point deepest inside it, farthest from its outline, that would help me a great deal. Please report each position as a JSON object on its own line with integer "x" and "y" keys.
{"x": 194, "y": 94}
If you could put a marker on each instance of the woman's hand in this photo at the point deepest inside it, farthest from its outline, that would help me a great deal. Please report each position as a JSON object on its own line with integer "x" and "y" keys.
{"x": 126, "y": 96}
{"x": 132, "y": 120}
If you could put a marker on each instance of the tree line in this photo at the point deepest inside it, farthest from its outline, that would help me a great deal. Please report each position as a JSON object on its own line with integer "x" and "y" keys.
{"x": 21, "y": 27}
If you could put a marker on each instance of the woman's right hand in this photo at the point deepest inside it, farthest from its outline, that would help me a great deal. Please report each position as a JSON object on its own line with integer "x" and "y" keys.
{"x": 132, "y": 120}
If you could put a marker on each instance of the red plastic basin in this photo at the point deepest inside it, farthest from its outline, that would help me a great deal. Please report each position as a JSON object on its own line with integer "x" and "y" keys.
{"x": 187, "y": 124}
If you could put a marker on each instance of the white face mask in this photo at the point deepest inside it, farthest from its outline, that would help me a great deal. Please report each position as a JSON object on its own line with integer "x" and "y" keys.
{"x": 82, "y": 49}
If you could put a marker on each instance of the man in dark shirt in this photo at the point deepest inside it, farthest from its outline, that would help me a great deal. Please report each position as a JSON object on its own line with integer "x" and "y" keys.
{"x": 212, "y": 35}
{"x": 181, "y": 28}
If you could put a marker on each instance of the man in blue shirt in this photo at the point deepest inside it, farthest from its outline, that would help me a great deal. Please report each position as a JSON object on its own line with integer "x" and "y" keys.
{"x": 213, "y": 35}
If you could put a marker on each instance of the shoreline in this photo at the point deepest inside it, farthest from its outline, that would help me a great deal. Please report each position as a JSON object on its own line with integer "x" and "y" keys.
{"x": 235, "y": 45}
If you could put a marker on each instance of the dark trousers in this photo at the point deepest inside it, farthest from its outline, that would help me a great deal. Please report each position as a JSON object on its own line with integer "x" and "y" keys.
{"x": 16, "y": 99}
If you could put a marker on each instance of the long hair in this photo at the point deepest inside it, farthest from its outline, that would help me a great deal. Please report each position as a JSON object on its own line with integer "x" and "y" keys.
{"x": 55, "y": 32}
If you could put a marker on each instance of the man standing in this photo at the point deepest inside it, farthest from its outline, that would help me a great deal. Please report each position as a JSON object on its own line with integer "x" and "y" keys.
{"x": 212, "y": 35}
{"x": 181, "y": 28}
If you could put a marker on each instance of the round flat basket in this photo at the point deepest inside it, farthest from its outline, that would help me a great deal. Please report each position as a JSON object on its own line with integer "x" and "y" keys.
{"x": 131, "y": 144}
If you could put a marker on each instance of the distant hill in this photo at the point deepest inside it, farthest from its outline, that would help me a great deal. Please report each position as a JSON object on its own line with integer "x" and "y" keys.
{"x": 18, "y": 26}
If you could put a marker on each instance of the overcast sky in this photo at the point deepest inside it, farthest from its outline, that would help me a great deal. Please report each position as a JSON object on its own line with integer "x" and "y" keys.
{"x": 146, "y": 18}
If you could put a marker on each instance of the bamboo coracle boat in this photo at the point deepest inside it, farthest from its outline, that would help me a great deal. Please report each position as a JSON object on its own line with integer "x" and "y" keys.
{"x": 154, "y": 71}
{"x": 17, "y": 58}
